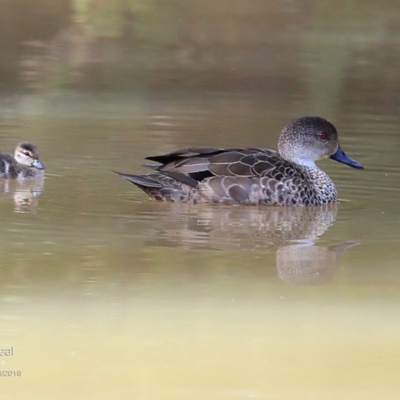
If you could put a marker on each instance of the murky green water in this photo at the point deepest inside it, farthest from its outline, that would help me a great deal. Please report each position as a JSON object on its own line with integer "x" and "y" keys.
{"x": 105, "y": 293}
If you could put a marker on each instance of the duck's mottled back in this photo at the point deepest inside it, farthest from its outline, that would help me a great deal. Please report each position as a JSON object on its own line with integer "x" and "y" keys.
{"x": 251, "y": 175}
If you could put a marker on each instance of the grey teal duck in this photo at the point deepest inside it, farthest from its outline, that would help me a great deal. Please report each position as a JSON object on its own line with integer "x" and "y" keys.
{"x": 25, "y": 163}
{"x": 251, "y": 176}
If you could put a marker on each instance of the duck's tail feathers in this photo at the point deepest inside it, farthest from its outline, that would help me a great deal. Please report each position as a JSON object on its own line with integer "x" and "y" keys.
{"x": 143, "y": 181}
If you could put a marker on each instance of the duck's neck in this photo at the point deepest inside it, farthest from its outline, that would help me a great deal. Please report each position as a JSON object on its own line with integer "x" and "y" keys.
{"x": 323, "y": 186}
{"x": 307, "y": 164}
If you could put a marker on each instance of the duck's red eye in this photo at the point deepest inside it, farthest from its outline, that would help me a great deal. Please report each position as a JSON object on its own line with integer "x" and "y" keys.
{"x": 322, "y": 136}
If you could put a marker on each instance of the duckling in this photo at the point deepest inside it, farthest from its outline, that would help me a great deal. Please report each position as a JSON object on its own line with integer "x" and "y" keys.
{"x": 23, "y": 164}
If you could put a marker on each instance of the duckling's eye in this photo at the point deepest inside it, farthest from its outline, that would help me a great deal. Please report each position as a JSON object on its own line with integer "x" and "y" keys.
{"x": 323, "y": 136}
{"x": 26, "y": 153}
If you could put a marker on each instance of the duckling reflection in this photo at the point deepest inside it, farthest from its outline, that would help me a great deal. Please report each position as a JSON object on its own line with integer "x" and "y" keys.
{"x": 292, "y": 231}
{"x": 24, "y": 193}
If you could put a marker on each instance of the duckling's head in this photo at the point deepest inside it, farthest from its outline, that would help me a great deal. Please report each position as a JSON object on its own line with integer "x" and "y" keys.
{"x": 27, "y": 154}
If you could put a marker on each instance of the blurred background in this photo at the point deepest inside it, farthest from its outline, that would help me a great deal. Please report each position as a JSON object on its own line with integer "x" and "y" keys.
{"x": 253, "y": 45}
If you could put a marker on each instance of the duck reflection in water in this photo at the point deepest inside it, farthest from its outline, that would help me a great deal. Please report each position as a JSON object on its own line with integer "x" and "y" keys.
{"x": 24, "y": 193}
{"x": 308, "y": 264}
{"x": 290, "y": 231}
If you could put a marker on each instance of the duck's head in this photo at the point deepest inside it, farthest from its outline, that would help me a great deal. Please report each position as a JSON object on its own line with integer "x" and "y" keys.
{"x": 27, "y": 154}
{"x": 307, "y": 139}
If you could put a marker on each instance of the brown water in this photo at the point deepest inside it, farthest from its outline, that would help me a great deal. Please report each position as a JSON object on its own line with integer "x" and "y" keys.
{"x": 105, "y": 293}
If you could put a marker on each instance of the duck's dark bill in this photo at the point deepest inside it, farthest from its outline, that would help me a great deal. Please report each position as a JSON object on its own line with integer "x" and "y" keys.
{"x": 341, "y": 157}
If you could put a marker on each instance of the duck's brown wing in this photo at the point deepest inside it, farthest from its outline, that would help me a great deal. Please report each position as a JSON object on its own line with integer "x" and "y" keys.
{"x": 185, "y": 161}
{"x": 201, "y": 163}
{"x": 231, "y": 176}
{"x": 227, "y": 176}
{"x": 250, "y": 163}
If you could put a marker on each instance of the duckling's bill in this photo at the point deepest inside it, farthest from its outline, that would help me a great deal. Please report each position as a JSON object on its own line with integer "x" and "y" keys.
{"x": 37, "y": 164}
